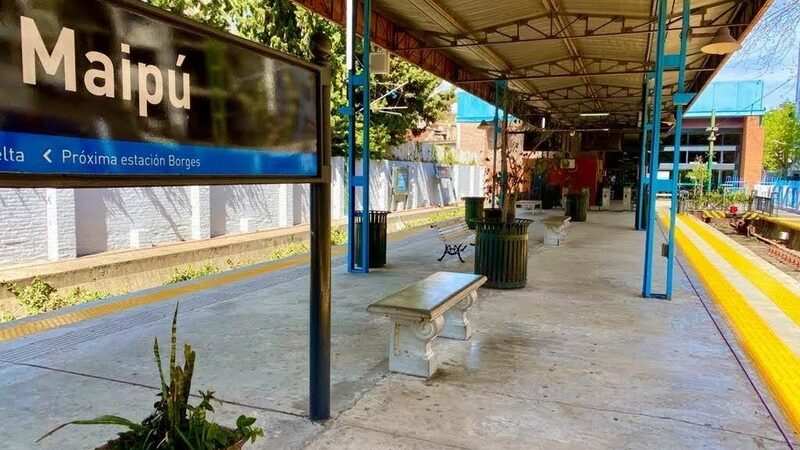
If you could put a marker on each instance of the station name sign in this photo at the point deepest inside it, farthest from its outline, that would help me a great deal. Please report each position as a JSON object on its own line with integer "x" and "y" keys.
{"x": 117, "y": 89}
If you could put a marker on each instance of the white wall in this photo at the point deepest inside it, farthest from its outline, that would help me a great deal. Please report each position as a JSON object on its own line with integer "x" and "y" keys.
{"x": 41, "y": 224}
{"x": 112, "y": 219}
{"x": 23, "y": 233}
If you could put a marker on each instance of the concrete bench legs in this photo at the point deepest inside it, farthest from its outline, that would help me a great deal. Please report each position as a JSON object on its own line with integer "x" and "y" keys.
{"x": 553, "y": 237}
{"x": 410, "y": 346}
{"x": 456, "y": 320}
{"x": 411, "y": 343}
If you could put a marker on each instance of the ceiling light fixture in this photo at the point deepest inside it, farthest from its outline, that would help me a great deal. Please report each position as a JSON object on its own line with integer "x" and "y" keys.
{"x": 595, "y": 114}
{"x": 722, "y": 44}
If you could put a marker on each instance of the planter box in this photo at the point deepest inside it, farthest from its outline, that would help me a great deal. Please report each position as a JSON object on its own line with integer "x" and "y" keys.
{"x": 501, "y": 253}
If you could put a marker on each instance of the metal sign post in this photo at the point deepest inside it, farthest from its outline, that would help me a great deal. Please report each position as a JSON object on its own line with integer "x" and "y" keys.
{"x": 133, "y": 96}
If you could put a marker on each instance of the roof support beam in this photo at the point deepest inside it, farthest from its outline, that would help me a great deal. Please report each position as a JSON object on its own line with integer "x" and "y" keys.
{"x": 575, "y": 75}
{"x": 556, "y": 25}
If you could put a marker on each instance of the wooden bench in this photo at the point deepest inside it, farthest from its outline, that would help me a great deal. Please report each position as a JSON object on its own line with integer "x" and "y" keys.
{"x": 555, "y": 230}
{"x": 435, "y": 306}
{"x": 456, "y": 239}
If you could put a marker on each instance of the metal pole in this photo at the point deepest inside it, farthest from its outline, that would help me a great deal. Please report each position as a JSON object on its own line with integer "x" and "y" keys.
{"x": 360, "y": 79}
{"x": 504, "y": 153}
{"x": 643, "y": 155}
{"x": 495, "y": 126}
{"x": 351, "y": 136}
{"x": 712, "y": 139}
{"x": 319, "y": 407}
{"x": 647, "y": 287}
{"x": 673, "y": 212}
{"x": 365, "y": 151}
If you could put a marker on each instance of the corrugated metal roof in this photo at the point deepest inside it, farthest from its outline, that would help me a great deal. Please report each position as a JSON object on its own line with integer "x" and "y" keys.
{"x": 547, "y": 45}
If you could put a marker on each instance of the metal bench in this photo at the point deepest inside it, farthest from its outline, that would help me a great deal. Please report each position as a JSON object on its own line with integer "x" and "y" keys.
{"x": 555, "y": 230}
{"x": 435, "y": 306}
{"x": 456, "y": 239}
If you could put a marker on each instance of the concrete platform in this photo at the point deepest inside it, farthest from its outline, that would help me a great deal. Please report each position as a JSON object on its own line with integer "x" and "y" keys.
{"x": 575, "y": 360}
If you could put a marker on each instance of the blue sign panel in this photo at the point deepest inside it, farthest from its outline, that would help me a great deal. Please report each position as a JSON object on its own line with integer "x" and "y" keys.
{"x": 119, "y": 89}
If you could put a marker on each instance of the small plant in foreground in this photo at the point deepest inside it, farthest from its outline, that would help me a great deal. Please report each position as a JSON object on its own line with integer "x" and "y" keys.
{"x": 175, "y": 424}
{"x": 191, "y": 272}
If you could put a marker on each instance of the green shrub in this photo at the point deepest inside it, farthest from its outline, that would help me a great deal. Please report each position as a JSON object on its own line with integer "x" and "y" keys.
{"x": 40, "y": 296}
{"x": 191, "y": 272}
{"x": 338, "y": 236}
{"x": 6, "y": 317}
{"x": 290, "y": 249}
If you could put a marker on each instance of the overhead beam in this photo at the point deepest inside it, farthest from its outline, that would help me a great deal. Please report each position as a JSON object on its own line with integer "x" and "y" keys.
{"x": 556, "y": 25}
{"x": 573, "y": 75}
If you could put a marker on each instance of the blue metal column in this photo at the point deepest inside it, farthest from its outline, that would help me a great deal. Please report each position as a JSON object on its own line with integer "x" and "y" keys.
{"x": 681, "y": 99}
{"x": 643, "y": 156}
{"x": 647, "y": 285}
{"x": 358, "y": 79}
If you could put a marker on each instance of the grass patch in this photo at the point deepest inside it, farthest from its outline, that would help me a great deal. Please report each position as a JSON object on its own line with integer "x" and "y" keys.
{"x": 287, "y": 250}
{"x": 40, "y": 297}
{"x": 191, "y": 272}
{"x": 435, "y": 218}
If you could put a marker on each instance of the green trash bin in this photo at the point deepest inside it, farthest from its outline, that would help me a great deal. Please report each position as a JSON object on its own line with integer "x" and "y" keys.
{"x": 377, "y": 238}
{"x": 577, "y": 206}
{"x": 501, "y": 253}
{"x": 473, "y": 210}
{"x": 550, "y": 196}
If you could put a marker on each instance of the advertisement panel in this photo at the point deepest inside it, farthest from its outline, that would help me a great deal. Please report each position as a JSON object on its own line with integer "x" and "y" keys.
{"x": 102, "y": 90}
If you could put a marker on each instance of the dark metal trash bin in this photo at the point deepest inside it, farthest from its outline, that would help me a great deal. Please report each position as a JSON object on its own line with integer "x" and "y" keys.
{"x": 377, "y": 238}
{"x": 501, "y": 253}
{"x": 577, "y": 206}
{"x": 473, "y": 210}
{"x": 550, "y": 196}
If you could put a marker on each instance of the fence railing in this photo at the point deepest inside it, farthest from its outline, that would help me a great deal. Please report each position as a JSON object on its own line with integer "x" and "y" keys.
{"x": 785, "y": 193}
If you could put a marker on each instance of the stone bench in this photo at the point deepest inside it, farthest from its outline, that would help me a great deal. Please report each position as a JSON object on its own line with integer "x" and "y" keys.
{"x": 433, "y": 307}
{"x": 555, "y": 230}
{"x": 529, "y": 206}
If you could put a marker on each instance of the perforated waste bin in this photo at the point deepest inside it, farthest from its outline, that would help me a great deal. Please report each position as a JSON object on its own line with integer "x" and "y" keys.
{"x": 377, "y": 238}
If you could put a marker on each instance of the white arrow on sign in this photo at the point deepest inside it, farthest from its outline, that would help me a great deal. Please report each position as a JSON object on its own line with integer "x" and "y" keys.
{"x": 46, "y": 155}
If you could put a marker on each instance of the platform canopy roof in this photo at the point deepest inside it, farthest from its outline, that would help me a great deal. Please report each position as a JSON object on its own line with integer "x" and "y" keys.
{"x": 560, "y": 57}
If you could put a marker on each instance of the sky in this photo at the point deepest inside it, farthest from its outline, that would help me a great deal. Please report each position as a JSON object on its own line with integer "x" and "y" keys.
{"x": 780, "y": 76}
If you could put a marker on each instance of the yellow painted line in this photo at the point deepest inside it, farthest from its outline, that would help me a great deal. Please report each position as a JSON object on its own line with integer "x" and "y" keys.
{"x": 167, "y": 293}
{"x": 92, "y": 312}
{"x": 785, "y": 299}
{"x": 775, "y": 362}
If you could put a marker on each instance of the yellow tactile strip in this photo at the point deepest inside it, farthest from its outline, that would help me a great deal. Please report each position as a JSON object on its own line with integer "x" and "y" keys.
{"x": 785, "y": 299}
{"x": 775, "y": 362}
{"x": 36, "y": 326}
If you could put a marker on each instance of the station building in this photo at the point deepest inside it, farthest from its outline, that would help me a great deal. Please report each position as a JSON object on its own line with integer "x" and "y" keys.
{"x": 738, "y": 109}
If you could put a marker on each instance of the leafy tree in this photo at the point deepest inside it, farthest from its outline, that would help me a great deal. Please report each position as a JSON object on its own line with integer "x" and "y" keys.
{"x": 698, "y": 174}
{"x": 281, "y": 25}
{"x": 781, "y": 138}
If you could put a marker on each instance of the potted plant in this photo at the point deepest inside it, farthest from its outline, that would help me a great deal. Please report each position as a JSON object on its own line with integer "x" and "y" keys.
{"x": 501, "y": 244}
{"x": 175, "y": 424}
